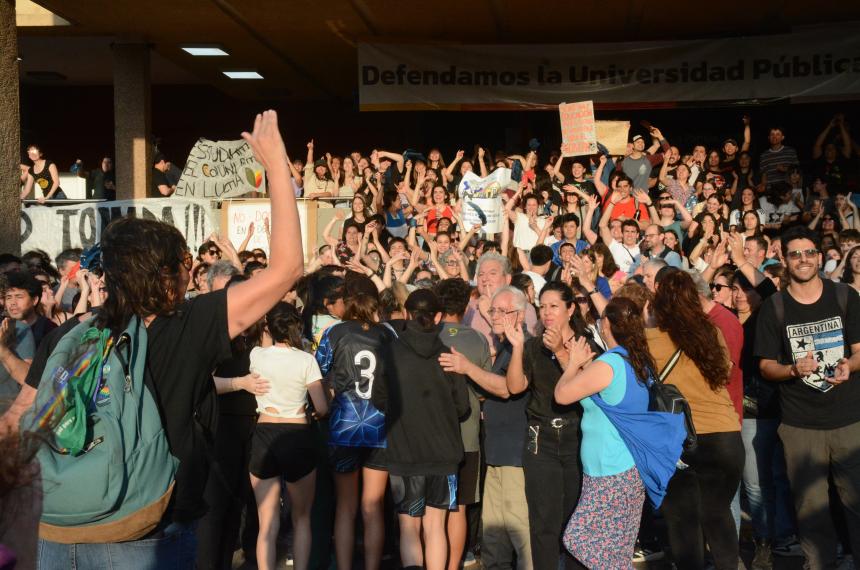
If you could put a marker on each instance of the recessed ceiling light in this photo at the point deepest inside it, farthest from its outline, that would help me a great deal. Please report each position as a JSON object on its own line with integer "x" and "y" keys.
{"x": 205, "y": 51}
{"x": 243, "y": 75}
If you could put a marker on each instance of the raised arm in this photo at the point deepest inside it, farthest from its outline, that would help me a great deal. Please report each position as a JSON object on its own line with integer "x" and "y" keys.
{"x": 397, "y": 158}
{"x": 449, "y": 170}
{"x": 747, "y": 137}
{"x": 249, "y": 301}
{"x": 482, "y": 166}
{"x": 587, "y": 232}
{"x": 515, "y": 379}
{"x": 597, "y": 179}
{"x": 310, "y": 157}
{"x": 603, "y": 224}
{"x": 556, "y": 168}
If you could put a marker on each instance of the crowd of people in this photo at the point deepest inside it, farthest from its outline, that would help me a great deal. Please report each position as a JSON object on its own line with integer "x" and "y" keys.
{"x": 464, "y": 394}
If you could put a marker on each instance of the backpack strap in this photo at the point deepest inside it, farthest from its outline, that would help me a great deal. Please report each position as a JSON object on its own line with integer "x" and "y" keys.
{"x": 667, "y": 368}
{"x": 842, "y": 298}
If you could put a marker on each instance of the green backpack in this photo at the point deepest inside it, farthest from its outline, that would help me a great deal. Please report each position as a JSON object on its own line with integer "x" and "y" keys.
{"x": 107, "y": 470}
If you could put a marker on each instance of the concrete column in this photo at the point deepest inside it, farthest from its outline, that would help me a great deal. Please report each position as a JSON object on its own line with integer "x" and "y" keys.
{"x": 10, "y": 132}
{"x": 132, "y": 121}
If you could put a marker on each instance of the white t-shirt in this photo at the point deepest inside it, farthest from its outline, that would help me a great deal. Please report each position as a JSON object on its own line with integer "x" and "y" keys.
{"x": 537, "y": 280}
{"x": 289, "y": 370}
{"x": 524, "y": 236}
{"x": 623, "y": 255}
{"x": 735, "y": 217}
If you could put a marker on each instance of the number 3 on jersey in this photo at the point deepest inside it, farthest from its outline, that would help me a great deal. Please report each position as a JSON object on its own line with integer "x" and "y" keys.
{"x": 366, "y": 373}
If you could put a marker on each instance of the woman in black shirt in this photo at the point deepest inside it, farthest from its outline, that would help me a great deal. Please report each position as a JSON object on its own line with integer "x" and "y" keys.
{"x": 551, "y": 458}
{"x": 45, "y": 174}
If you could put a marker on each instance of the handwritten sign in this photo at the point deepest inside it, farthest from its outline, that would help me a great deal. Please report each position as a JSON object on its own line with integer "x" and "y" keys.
{"x": 220, "y": 169}
{"x": 57, "y": 228}
{"x": 578, "y": 134}
{"x": 613, "y": 135}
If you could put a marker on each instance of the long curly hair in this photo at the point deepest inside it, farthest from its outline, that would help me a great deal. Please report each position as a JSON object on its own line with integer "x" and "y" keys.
{"x": 628, "y": 330}
{"x": 678, "y": 311}
{"x": 141, "y": 260}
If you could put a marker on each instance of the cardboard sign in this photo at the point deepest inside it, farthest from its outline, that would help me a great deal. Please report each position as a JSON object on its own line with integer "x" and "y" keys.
{"x": 613, "y": 135}
{"x": 578, "y": 134}
{"x": 219, "y": 170}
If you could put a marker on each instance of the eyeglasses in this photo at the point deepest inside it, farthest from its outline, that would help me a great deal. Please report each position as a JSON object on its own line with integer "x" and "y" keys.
{"x": 718, "y": 287}
{"x": 494, "y": 312}
{"x": 802, "y": 253}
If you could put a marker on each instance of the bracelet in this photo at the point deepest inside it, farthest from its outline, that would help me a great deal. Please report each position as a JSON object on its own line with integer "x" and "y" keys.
{"x": 593, "y": 291}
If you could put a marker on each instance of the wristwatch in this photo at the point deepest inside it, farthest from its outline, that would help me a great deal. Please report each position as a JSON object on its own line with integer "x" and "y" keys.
{"x": 593, "y": 291}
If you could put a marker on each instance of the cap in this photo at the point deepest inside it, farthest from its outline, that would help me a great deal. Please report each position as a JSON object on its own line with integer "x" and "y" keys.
{"x": 320, "y": 162}
{"x": 637, "y": 137}
{"x": 733, "y": 141}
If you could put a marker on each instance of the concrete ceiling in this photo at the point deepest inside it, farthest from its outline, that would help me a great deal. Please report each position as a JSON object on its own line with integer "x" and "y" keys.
{"x": 306, "y": 49}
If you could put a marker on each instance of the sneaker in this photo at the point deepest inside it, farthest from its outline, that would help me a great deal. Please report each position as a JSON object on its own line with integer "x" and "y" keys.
{"x": 644, "y": 554}
{"x": 787, "y": 547}
{"x": 469, "y": 560}
{"x": 762, "y": 559}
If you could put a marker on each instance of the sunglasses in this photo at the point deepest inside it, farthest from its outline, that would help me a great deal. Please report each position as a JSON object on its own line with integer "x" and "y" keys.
{"x": 214, "y": 252}
{"x": 580, "y": 300}
{"x": 718, "y": 287}
{"x": 802, "y": 253}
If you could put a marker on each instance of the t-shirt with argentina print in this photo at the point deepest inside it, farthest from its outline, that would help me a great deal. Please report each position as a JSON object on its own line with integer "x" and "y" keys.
{"x": 823, "y": 329}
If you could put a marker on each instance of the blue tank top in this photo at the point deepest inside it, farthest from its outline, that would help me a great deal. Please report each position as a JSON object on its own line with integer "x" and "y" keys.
{"x": 603, "y": 451}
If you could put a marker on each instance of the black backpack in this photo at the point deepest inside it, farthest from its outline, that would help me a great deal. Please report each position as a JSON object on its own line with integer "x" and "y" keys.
{"x": 668, "y": 398}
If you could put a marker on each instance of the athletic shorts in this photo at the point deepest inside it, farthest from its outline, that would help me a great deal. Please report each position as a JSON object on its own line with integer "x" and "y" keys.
{"x": 282, "y": 450}
{"x": 412, "y": 493}
{"x": 344, "y": 459}
{"x": 469, "y": 479}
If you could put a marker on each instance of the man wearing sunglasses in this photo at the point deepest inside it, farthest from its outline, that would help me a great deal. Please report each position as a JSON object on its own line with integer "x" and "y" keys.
{"x": 808, "y": 339}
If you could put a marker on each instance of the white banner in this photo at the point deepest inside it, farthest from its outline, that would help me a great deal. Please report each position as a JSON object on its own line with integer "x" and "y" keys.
{"x": 220, "y": 169}
{"x": 57, "y": 228}
{"x": 482, "y": 199}
{"x": 813, "y": 63}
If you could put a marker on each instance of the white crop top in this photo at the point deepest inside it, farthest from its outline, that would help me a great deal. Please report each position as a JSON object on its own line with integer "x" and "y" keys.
{"x": 289, "y": 371}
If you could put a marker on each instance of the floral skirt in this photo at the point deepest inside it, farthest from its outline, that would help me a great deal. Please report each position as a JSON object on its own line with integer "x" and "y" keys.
{"x": 601, "y": 532}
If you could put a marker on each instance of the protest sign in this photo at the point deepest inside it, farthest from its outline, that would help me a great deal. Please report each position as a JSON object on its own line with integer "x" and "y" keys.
{"x": 613, "y": 135}
{"x": 57, "y": 228}
{"x": 482, "y": 199}
{"x": 237, "y": 217}
{"x": 220, "y": 169}
{"x": 578, "y": 136}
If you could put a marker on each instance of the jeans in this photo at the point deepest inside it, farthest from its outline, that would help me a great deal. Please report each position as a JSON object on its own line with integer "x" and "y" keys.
{"x": 227, "y": 491}
{"x": 698, "y": 502}
{"x": 764, "y": 480}
{"x": 553, "y": 471}
{"x": 174, "y": 549}
{"x": 811, "y": 455}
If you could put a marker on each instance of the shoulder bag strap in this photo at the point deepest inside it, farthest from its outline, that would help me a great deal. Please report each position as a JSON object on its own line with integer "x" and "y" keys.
{"x": 667, "y": 369}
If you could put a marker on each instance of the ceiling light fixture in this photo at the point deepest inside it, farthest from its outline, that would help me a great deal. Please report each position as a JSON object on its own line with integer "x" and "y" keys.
{"x": 205, "y": 51}
{"x": 243, "y": 75}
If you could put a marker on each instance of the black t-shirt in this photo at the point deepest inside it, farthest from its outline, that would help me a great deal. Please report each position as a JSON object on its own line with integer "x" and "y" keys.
{"x": 821, "y": 328}
{"x": 182, "y": 351}
{"x": 240, "y": 402}
{"x": 158, "y": 179}
{"x": 543, "y": 372}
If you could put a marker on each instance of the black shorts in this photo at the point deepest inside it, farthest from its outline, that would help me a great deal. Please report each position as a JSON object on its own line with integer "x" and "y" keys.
{"x": 412, "y": 493}
{"x": 344, "y": 459}
{"x": 469, "y": 479}
{"x": 282, "y": 450}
